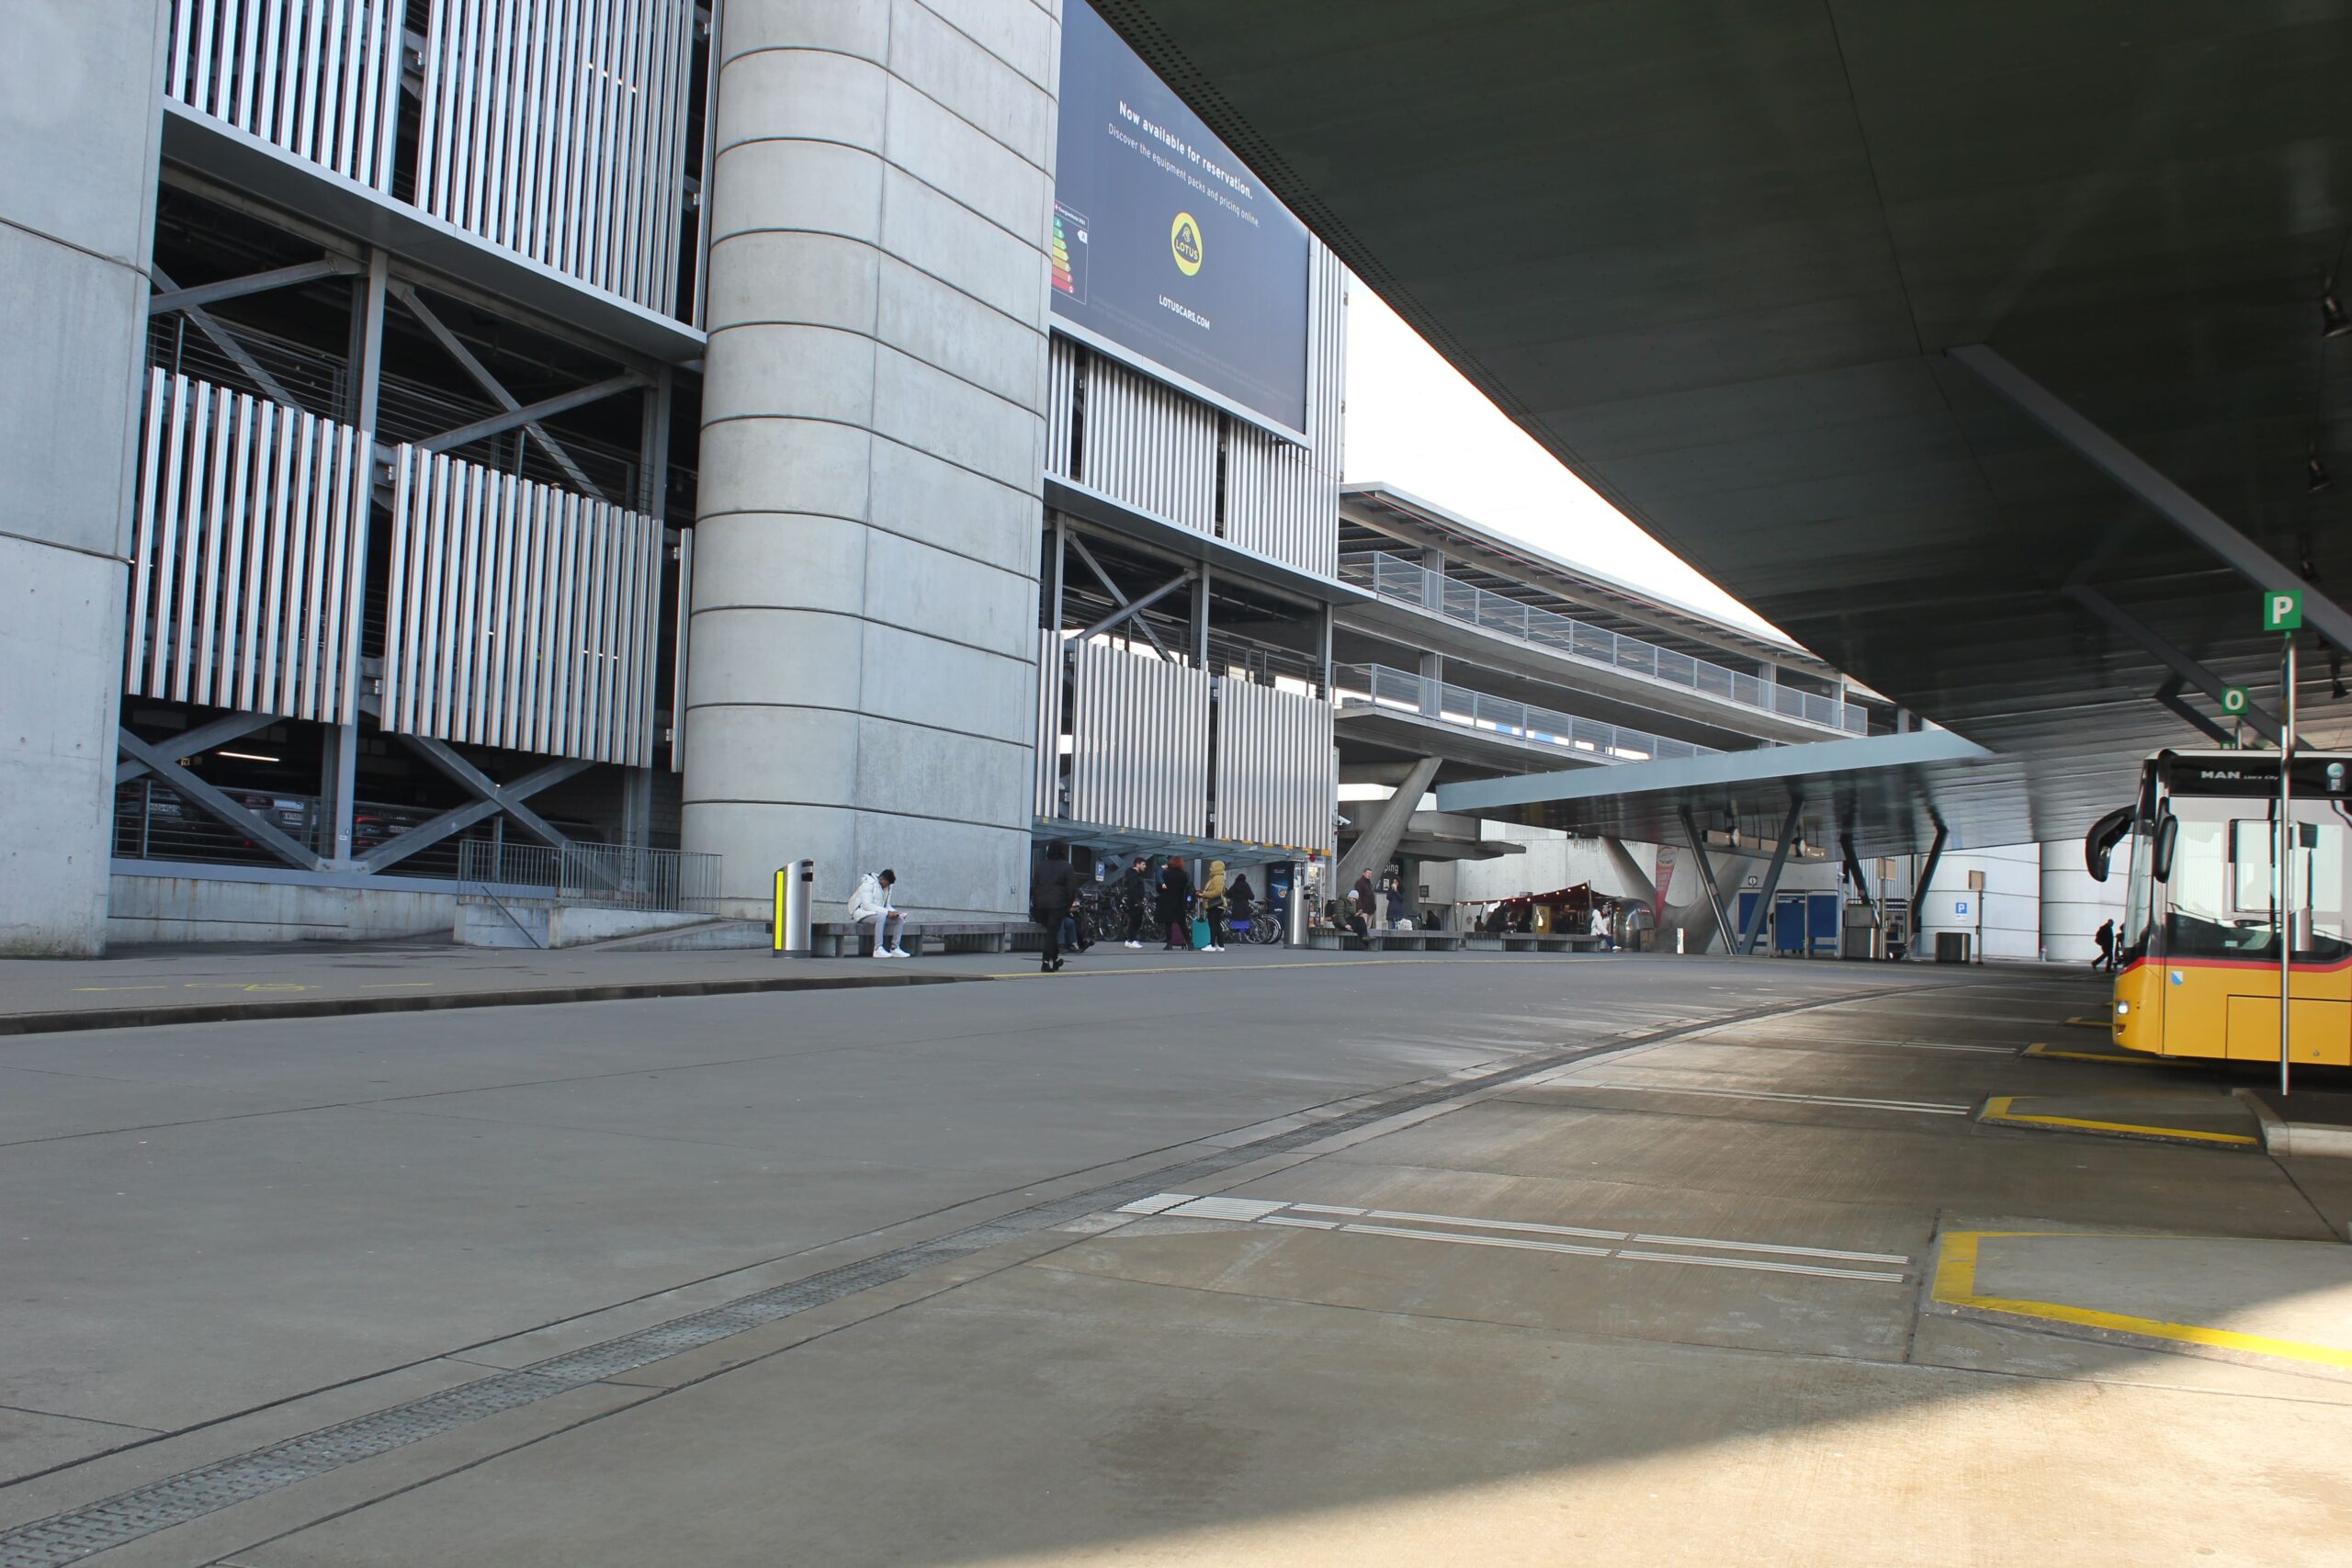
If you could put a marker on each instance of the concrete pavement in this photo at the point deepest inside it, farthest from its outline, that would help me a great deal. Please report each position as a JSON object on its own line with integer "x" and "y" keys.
{"x": 1439, "y": 1260}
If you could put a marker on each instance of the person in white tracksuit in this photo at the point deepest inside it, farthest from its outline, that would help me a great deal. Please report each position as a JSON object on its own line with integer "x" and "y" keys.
{"x": 872, "y": 902}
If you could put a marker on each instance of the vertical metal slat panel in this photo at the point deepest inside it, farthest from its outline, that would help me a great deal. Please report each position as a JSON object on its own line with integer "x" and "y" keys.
{"x": 683, "y": 649}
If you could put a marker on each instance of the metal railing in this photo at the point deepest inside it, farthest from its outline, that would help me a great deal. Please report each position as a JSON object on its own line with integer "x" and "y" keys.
{"x": 1409, "y": 582}
{"x": 612, "y": 876}
{"x": 1405, "y": 692}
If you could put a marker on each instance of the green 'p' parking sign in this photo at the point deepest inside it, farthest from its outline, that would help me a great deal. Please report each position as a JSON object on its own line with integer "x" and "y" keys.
{"x": 2282, "y": 610}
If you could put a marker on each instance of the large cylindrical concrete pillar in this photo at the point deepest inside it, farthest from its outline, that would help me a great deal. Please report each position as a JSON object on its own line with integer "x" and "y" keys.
{"x": 2073, "y": 906}
{"x": 862, "y": 684}
{"x": 80, "y": 86}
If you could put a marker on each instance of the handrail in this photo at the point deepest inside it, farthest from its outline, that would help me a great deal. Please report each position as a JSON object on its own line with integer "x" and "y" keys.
{"x": 1380, "y": 685}
{"x": 1409, "y": 582}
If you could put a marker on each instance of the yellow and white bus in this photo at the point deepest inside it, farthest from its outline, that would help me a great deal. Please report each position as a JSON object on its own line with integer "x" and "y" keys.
{"x": 2198, "y": 969}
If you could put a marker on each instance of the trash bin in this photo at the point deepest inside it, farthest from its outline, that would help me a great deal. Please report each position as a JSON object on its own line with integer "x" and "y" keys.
{"x": 796, "y": 886}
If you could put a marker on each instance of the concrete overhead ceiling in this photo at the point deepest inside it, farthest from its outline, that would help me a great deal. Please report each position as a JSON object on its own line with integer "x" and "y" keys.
{"x": 1711, "y": 254}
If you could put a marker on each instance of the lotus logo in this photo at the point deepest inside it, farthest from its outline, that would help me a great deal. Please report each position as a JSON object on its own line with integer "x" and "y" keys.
{"x": 1184, "y": 240}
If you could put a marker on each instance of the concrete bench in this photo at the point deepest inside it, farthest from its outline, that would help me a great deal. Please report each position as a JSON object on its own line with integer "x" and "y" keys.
{"x": 847, "y": 939}
{"x": 1528, "y": 941}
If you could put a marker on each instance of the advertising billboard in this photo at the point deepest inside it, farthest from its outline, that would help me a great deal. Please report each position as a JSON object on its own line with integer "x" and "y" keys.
{"x": 1165, "y": 248}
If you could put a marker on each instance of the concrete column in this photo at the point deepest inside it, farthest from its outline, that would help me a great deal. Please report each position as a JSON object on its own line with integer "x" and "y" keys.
{"x": 79, "y": 84}
{"x": 866, "y": 580}
{"x": 1432, "y": 673}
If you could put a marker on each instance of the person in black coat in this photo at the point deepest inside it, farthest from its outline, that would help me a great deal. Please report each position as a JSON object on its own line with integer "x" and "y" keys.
{"x": 1053, "y": 893}
{"x": 1173, "y": 907}
{"x": 1135, "y": 898}
{"x": 1240, "y": 900}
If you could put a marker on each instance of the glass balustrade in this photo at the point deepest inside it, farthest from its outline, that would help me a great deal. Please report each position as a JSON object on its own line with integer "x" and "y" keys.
{"x": 1409, "y": 582}
{"x": 1405, "y": 692}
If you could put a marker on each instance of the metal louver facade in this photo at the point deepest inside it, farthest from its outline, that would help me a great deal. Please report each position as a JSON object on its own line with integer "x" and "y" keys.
{"x": 1140, "y": 732}
{"x": 1277, "y": 772}
{"x": 557, "y": 129}
{"x": 319, "y": 79}
{"x": 1052, "y": 675}
{"x": 519, "y": 615}
{"x": 249, "y": 549}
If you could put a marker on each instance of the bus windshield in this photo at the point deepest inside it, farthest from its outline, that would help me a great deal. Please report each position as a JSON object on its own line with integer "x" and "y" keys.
{"x": 2221, "y": 901}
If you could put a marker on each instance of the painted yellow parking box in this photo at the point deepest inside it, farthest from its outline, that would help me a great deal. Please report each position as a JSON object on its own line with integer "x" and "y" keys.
{"x": 2002, "y": 1109}
{"x": 1958, "y": 1264}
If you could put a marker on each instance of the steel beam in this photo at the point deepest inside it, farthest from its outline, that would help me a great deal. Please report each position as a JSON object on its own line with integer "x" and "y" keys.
{"x": 1117, "y": 597}
{"x": 2180, "y": 665}
{"x": 215, "y": 804}
{"x": 1771, "y": 883}
{"x": 432, "y": 831}
{"x": 546, "y": 407}
{"x": 201, "y": 319}
{"x": 1706, "y": 868}
{"x": 203, "y": 738}
{"x": 442, "y": 756}
{"x": 252, "y": 282}
{"x": 1130, "y": 608}
{"x": 456, "y": 349}
{"x": 2171, "y": 502}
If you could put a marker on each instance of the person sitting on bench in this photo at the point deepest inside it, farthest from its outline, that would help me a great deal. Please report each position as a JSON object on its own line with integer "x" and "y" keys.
{"x": 872, "y": 902}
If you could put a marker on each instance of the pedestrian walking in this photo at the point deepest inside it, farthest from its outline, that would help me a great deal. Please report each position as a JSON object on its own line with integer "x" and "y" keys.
{"x": 871, "y": 902}
{"x": 1135, "y": 898}
{"x": 1052, "y": 895}
{"x": 1213, "y": 906}
{"x": 1173, "y": 906}
{"x": 2105, "y": 937}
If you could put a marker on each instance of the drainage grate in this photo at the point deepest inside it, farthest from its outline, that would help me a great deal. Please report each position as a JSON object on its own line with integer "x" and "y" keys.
{"x": 127, "y": 1516}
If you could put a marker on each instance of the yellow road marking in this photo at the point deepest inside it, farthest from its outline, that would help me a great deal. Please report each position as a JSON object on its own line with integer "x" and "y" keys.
{"x": 243, "y": 985}
{"x": 1956, "y": 1286}
{"x": 393, "y": 985}
{"x": 2043, "y": 1053}
{"x": 2089, "y": 1023}
{"x": 122, "y": 987}
{"x": 1997, "y": 1110}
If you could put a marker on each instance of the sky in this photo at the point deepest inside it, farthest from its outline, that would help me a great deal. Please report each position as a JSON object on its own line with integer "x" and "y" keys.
{"x": 1415, "y": 422}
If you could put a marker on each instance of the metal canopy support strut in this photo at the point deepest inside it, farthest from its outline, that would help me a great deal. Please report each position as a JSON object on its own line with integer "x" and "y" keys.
{"x": 1919, "y": 914}
{"x": 1386, "y": 829}
{"x": 1698, "y": 842}
{"x": 1759, "y": 915}
{"x": 2168, "y": 696}
{"x": 2175, "y": 505}
{"x": 2183, "y": 667}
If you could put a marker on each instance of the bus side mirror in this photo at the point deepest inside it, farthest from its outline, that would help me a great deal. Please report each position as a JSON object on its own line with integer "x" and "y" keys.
{"x": 2167, "y": 835}
{"x": 2100, "y": 840}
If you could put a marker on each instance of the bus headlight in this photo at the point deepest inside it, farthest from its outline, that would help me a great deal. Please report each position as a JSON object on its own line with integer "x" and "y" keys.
{"x": 2123, "y": 1009}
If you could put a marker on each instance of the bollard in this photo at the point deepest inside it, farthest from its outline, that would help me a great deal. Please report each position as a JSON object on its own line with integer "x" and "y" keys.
{"x": 795, "y": 890}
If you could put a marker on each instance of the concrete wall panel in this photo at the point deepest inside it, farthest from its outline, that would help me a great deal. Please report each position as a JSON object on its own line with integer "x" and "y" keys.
{"x": 917, "y": 680}
{"x": 962, "y": 335}
{"x": 1027, "y": 37}
{"x": 780, "y": 562}
{"x": 963, "y": 77}
{"x": 815, "y": 186}
{"x": 795, "y": 371}
{"x": 827, "y": 467}
{"x": 931, "y": 233}
{"x": 839, "y": 285}
{"x": 951, "y": 868}
{"x": 910, "y": 585}
{"x": 954, "y": 156}
{"x": 79, "y": 84}
{"x": 962, "y": 512}
{"x": 800, "y": 95}
{"x": 924, "y": 406}
{"x": 191, "y": 908}
{"x": 851, "y": 27}
{"x": 60, "y": 668}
